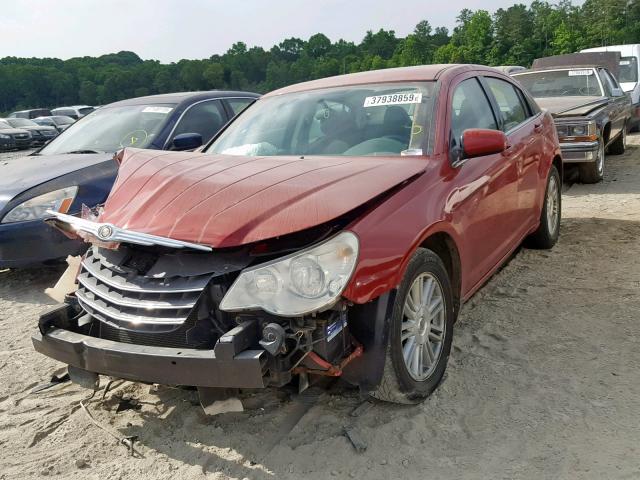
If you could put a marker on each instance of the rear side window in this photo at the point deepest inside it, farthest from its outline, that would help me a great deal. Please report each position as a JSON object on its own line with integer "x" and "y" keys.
{"x": 205, "y": 118}
{"x": 512, "y": 108}
{"x": 470, "y": 109}
{"x": 628, "y": 69}
{"x": 239, "y": 104}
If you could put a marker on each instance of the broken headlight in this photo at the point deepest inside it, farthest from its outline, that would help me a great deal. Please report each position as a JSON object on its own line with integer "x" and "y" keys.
{"x": 307, "y": 281}
{"x": 36, "y": 208}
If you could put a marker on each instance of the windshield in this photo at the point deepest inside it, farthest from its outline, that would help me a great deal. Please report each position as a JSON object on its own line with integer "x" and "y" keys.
{"x": 85, "y": 111}
{"x": 628, "y": 70}
{"x": 21, "y": 122}
{"x": 561, "y": 83}
{"x": 381, "y": 119}
{"x": 112, "y": 128}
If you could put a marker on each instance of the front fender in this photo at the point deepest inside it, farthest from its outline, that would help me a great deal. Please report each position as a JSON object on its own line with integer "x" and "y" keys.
{"x": 391, "y": 233}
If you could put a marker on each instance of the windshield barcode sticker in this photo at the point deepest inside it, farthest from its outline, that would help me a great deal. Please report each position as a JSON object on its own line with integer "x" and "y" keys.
{"x": 393, "y": 99}
{"x": 580, "y": 73}
{"x": 157, "y": 110}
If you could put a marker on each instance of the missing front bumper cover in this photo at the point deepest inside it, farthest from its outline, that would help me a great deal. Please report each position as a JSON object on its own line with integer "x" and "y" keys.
{"x": 227, "y": 365}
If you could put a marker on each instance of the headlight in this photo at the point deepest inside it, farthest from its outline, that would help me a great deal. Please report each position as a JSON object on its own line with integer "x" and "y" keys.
{"x": 578, "y": 132}
{"x": 5, "y": 137}
{"x": 307, "y": 281}
{"x": 35, "y": 208}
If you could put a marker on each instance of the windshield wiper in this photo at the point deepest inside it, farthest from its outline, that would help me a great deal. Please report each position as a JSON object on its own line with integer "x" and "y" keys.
{"x": 81, "y": 152}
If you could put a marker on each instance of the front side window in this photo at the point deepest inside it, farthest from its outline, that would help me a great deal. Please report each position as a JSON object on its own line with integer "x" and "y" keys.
{"x": 470, "y": 108}
{"x": 239, "y": 104}
{"x": 110, "y": 129}
{"x": 561, "y": 83}
{"x": 629, "y": 70}
{"x": 205, "y": 118}
{"x": 606, "y": 83}
{"x": 512, "y": 110}
{"x": 611, "y": 79}
{"x": 375, "y": 119}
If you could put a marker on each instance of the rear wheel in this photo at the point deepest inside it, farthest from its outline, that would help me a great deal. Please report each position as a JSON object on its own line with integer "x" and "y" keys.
{"x": 421, "y": 332}
{"x": 593, "y": 172}
{"x": 620, "y": 144}
{"x": 548, "y": 231}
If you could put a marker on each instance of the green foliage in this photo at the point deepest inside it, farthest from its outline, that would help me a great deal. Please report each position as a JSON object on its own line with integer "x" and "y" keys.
{"x": 512, "y": 36}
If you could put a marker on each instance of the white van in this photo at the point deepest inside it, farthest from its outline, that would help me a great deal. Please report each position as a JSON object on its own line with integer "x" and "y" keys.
{"x": 629, "y": 73}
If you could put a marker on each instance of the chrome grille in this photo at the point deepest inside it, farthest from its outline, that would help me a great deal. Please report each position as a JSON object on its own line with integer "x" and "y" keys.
{"x": 126, "y": 299}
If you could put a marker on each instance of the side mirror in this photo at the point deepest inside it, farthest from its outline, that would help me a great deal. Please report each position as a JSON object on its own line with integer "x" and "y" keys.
{"x": 478, "y": 142}
{"x": 617, "y": 92}
{"x": 186, "y": 141}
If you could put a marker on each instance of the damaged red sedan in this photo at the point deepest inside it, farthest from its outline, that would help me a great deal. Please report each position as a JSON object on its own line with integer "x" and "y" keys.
{"x": 333, "y": 229}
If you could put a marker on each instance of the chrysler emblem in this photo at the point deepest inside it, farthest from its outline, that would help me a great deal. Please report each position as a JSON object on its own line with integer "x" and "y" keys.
{"x": 105, "y": 232}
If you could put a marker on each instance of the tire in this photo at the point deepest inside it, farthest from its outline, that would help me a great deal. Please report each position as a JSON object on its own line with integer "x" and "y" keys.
{"x": 546, "y": 236}
{"x": 399, "y": 384}
{"x": 593, "y": 172}
{"x": 620, "y": 144}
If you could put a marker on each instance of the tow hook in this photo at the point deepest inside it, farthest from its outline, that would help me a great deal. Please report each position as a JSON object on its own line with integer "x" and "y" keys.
{"x": 328, "y": 369}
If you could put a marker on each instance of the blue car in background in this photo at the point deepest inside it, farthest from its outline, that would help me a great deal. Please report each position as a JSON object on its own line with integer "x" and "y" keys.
{"x": 77, "y": 167}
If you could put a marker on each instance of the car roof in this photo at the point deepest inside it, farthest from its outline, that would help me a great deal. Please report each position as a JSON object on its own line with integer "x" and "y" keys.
{"x": 180, "y": 97}
{"x": 72, "y": 107}
{"x": 625, "y": 50}
{"x": 390, "y": 75}
{"x": 563, "y": 67}
{"x": 30, "y": 110}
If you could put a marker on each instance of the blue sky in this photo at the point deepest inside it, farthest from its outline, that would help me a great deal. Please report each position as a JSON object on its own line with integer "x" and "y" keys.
{"x": 169, "y": 30}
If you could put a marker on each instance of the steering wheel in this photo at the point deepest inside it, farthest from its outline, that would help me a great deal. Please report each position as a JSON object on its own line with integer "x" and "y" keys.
{"x": 134, "y": 138}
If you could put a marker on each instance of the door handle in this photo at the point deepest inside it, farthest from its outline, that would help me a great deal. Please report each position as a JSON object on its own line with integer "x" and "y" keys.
{"x": 507, "y": 150}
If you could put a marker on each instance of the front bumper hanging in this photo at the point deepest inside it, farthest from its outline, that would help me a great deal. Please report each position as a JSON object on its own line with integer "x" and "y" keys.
{"x": 229, "y": 365}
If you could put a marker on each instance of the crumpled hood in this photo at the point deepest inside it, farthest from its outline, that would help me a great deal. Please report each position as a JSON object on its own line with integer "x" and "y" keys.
{"x": 566, "y": 106}
{"x": 21, "y": 174}
{"x": 224, "y": 201}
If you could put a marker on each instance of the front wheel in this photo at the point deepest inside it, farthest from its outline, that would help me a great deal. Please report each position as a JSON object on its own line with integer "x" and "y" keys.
{"x": 421, "y": 332}
{"x": 593, "y": 172}
{"x": 548, "y": 231}
{"x": 619, "y": 146}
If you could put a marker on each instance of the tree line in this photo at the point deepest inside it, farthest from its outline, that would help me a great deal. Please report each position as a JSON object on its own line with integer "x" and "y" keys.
{"x": 513, "y": 36}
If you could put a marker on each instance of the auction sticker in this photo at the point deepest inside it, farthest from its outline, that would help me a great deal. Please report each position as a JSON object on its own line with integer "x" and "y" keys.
{"x": 580, "y": 73}
{"x": 157, "y": 110}
{"x": 393, "y": 99}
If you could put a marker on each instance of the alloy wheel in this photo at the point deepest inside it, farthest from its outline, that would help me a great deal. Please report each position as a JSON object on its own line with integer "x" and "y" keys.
{"x": 600, "y": 159}
{"x": 423, "y": 326}
{"x": 553, "y": 204}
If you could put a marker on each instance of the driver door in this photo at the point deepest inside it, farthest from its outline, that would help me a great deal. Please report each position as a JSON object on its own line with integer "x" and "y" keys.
{"x": 484, "y": 201}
